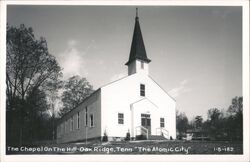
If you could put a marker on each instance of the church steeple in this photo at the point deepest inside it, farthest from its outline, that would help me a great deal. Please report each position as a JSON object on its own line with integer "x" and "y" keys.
{"x": 137, "y": 51}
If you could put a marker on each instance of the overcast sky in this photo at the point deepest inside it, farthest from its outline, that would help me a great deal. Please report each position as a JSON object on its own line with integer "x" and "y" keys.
{"x": 196, "y": 52}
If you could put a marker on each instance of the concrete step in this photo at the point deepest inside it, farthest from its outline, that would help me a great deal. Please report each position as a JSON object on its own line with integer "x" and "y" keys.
{"x": 155, "y": 137}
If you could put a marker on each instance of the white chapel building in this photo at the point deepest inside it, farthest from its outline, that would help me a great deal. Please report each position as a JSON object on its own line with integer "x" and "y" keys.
{"x": 134, "y": 104}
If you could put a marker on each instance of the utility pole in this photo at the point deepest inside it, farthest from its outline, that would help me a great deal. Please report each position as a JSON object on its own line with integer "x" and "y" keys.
{"x": 86, "y": 125}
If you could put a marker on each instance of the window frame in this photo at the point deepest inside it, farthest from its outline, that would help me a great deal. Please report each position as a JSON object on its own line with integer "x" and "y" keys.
{"x": 120, "y": 118}
{"x": 91, "y": 122}
{"x": 86, "y": 116}
{"x": 78, "y": 120}
{"x": 71, "y": 123}
{"x": 162, "y": 122}
{"x": 142, "y": 90}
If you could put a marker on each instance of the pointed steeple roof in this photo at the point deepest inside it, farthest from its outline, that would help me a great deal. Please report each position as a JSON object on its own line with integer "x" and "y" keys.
{"x": 137, "y": 50}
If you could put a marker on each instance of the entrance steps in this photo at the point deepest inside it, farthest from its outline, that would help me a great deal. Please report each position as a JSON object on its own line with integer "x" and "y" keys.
{"x": 155, "y": 137}
{"x": 150, "y": 137}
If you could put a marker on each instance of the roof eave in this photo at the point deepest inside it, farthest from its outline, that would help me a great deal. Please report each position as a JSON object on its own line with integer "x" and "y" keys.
{"x": 145, "y": 60}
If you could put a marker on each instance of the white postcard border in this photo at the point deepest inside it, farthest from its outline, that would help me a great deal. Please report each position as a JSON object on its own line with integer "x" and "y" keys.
{"x": 62, "y": 158}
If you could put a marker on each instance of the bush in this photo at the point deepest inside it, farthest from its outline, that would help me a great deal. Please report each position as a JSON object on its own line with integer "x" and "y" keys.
{"x": 127, "y": 137}
{"x": 105, "y": 137}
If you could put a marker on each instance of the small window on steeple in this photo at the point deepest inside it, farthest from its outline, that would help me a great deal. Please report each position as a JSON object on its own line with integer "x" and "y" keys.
{"x": 142, "y": 65}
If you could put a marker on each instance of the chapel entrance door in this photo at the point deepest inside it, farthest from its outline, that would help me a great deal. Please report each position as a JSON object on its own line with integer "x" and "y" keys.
{"x": 146, "y": 122}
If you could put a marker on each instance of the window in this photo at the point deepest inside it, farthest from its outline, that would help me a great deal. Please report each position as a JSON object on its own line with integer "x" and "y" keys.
{"x": 145, "y": 115}
{"x": 91, "y": 120}
{"x": 78, "y": 120}
{"x": 162, "y": 123}
{"x": 86, "y": 116}
{"x": 145, "y": 120}
{"x": 142, "y": 89}
{"x": 142, "y": 65}
{"x": 120, "y": 118}
{"x": 71, "y": 124}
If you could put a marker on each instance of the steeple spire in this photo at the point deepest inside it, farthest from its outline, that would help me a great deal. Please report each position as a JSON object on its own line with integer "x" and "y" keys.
{"x": 137, "y": 51}
{"x": 136, "y": 12}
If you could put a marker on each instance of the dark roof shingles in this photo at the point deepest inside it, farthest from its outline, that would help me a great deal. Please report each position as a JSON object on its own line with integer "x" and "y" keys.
{"x": 137, "y": 50}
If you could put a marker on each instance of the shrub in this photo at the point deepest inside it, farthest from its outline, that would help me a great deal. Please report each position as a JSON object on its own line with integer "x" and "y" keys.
{"x": 105, "y": 137}
{"x": 127, "y": 137}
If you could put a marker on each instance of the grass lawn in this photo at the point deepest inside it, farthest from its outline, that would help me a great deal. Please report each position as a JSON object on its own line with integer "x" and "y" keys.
{"x": 135, "y": 147}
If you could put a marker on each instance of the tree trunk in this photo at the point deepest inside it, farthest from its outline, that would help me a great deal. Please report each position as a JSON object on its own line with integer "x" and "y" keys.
{"x": 21, "y": 121}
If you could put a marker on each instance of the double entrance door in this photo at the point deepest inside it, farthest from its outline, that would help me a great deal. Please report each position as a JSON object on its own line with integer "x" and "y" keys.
{"x": 146, "y": 122}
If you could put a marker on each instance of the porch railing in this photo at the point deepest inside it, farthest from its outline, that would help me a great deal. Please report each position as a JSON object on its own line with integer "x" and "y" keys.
{"x": 162, "y": 132}
{"x": 140, "y": 130}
